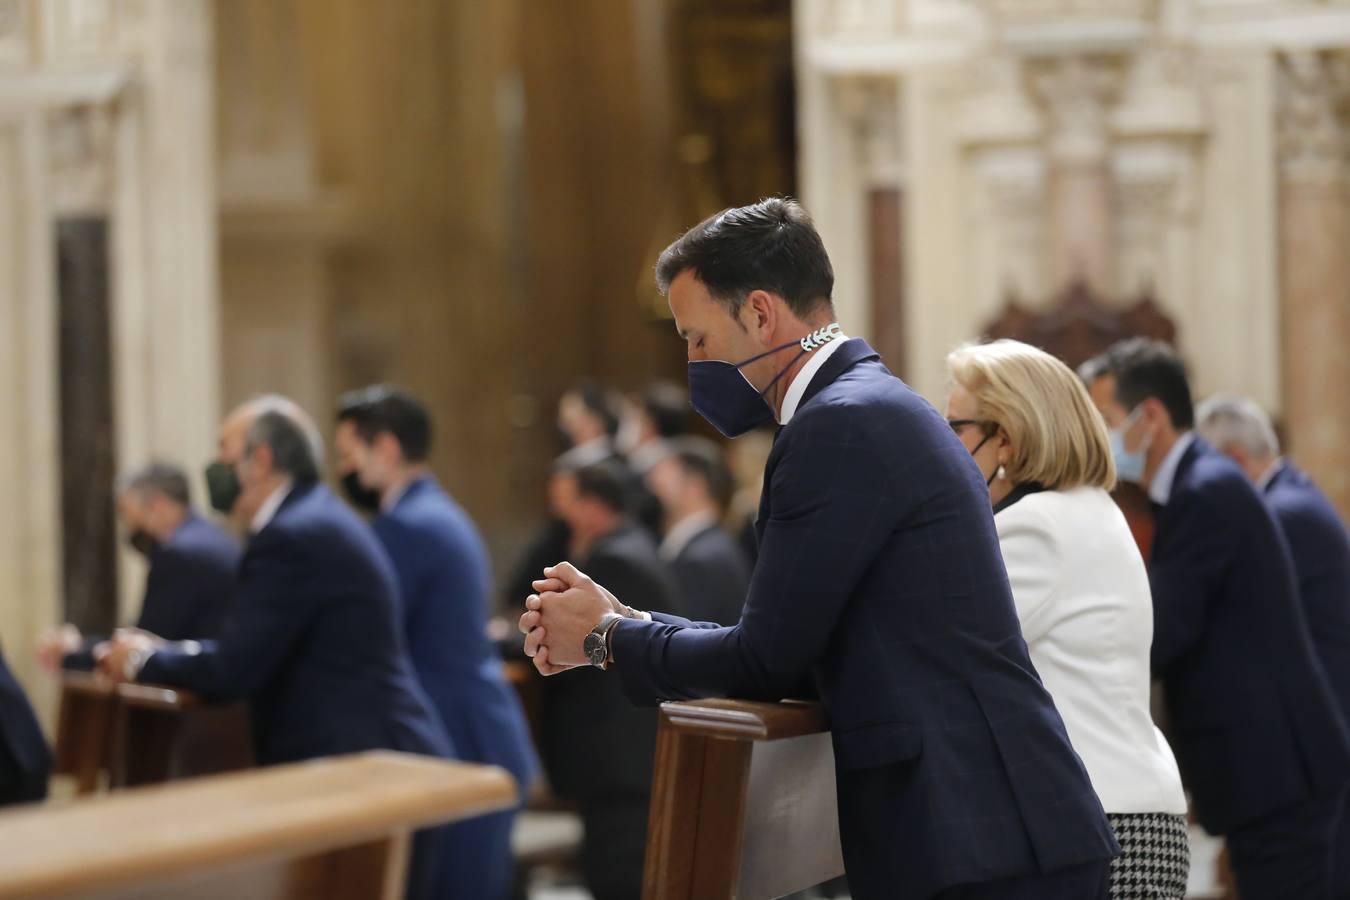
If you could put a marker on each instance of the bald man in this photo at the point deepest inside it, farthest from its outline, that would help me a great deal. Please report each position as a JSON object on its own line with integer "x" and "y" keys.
{"x": 313, "y": 642}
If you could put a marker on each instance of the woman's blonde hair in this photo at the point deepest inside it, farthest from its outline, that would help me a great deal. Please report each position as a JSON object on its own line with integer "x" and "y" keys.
{"x": 1059, "y": 439}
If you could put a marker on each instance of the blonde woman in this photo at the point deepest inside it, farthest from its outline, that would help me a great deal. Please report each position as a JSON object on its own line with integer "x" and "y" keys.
{"x": 1081, "y": 590}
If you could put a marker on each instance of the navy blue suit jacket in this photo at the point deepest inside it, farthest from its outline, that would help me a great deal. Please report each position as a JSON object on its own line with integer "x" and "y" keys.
{"x": 25, "y": 761}
{"x": 713, "y": 576}
{"x": 1321, "y": 552}
{"x": 446, "y": 583}
{"x": 313, "y": 642}
{"x": 188, "y": 590}
{"x": 879, "y": 573}
{"x": 1254, "y": 725}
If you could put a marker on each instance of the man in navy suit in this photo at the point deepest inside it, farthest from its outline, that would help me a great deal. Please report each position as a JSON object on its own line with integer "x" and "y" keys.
{"x": 694, "y": 485}
{"x": 25, "y": 760}
{"x": 384, "y": 437}
{"x": 314, "y": 641}
{"x": 1256, "y": 730}
{"x": 192, "y": 565}
{"x": 879, "y": 578}
{"x": 1318, "y": 542}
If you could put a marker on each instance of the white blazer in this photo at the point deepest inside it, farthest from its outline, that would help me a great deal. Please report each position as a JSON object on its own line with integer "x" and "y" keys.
{"x": 1083, "y": 597}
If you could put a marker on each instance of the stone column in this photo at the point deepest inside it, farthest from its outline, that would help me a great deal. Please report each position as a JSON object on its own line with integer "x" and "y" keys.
{"x": 30, "y": 544}
{"x": 1315, "y": 270}
{"x": 1078, "y": 92}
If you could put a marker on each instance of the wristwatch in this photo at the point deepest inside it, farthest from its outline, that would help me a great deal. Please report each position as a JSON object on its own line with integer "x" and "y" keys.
{"x": 596, "y": 644}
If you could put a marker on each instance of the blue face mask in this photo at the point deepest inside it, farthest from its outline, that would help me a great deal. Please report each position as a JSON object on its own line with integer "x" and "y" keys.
{"x": 1129, "y": 465}
{"x": 721, "y": 393}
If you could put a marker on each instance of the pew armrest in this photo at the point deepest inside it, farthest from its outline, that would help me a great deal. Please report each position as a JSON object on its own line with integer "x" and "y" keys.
{"x": 745, "y": 719}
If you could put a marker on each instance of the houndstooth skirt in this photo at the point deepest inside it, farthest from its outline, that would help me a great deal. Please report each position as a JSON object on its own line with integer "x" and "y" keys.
{"x": 1155, "y": 859}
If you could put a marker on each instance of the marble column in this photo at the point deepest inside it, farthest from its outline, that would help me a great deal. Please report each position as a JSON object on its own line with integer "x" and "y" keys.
{"x": 1315, "y": 271}
{"x": 1077, "y": 92}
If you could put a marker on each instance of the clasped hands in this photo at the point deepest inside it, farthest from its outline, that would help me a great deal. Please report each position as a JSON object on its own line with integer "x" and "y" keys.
{"x": 113, "y": 655}
{"x": 566, "y": 605}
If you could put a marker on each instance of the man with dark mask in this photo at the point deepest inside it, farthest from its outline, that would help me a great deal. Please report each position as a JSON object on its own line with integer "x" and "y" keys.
{"x": 313, "y": 642}
{"x": 383, "y": 438}
{"x": 879, "y": 578}
{"x": 192, "y": 566}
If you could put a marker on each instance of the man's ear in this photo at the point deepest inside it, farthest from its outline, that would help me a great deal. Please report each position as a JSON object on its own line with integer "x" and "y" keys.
{"x": 761, "y": 308}
{"x": 262, "y": 460}
{"x": 387, "y": 445}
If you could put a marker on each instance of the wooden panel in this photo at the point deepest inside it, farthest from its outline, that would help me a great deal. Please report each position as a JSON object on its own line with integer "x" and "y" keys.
{"x": 150, "y": 836}
{"x": 84, "y": 729}
{"x": 743, "y": 802}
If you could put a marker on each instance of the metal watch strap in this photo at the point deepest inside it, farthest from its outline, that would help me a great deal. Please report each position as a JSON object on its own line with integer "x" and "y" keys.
{"x": 602, "y": 629}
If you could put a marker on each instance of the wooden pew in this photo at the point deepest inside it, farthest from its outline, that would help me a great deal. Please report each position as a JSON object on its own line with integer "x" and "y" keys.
{"x": 336, "y": 829}
{"x": 161, "y": 734}
{"x": 743, "y": 802}
{"x": 144, "y": 734}
{"x": 84, "y": 727}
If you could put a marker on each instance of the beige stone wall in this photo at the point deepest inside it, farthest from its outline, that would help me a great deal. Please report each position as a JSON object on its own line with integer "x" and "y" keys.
{"x": 1140, "y": 145}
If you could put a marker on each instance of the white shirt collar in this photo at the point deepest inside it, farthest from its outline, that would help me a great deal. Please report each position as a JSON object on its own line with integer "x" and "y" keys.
{"x": 793, "y": 398}
{"x": 647, "y": 455}
{"x": 1269, "y": 474}
{"x": 263, "y": 517}
{"x": 683, "y": 532}
{"x": 1160, "y": 491}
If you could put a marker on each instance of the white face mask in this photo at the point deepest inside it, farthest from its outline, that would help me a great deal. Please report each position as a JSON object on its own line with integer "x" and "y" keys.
{"x": 1130, "y": 465}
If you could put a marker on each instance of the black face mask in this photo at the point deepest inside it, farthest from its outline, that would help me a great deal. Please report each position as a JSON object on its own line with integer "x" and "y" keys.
{"x": 222, "y": 483}
{"x": 143, "y": 542}
{"x": 363, "y": 498}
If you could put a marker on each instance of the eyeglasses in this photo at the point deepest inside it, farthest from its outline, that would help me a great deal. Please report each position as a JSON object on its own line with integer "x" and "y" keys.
{"x": 958, "y": 424}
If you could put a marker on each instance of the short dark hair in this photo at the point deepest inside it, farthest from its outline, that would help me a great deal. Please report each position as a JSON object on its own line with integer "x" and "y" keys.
{"x": 667, "y": 405}
{"x": 607, "y": 481}
{"x": 161, "y": 478}
{"x": 771, "y": 245}
{"x": 703, "y": 459}
{"x": 1146, "y": 368}
{"x": 385, "y": 409}
{"x": 600, "y": 401}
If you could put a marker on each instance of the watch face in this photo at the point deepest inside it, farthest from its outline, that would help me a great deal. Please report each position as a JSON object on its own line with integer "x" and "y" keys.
{"x": 594, "y": 646}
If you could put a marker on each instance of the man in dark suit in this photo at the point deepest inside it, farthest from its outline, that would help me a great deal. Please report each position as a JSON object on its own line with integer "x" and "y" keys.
{"x": 384, "y": 437}
{"x": 598, "y": 747}
{"x": 693, "y": 484}
{"x": 1256, "y": 730}
{"x": 1320, "y": 547}
{"x": 192, "y": 566}
{"x": 25, "y": 760}
{"x": 879, "y": 577}
{"x": 314, "y": 641}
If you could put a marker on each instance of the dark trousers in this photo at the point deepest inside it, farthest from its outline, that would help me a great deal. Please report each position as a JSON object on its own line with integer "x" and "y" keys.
{"x": 1087, "y": 882}
{"x": 1287, "y": 854}
{"x": 475, "y": 861}
{"x": 1340, "y": 850}
{"x": 614, "y": 845}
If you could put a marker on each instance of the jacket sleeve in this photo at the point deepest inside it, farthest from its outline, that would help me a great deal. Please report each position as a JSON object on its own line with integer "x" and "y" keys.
{"x": 273, "y": 606}
{"x": 833, "y": 510}
{"x": 1032, "y": 558}
{"x": 1187, "y": 569}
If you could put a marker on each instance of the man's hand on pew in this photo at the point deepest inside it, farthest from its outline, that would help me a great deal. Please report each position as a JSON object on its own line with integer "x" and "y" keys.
{"x": 55, "y": 644}
{"x": 567, "y": 605}
{"x": 121, "y": 658}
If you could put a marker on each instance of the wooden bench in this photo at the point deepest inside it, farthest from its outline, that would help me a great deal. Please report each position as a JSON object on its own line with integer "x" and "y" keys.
{"x": 144, "y": 734}
{"x": 743, "y": 802}
{"x": 335, "y": 828}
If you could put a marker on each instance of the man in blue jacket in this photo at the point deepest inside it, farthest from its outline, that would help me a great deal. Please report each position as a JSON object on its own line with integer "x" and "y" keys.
{"x": 1320, "y": 547}
{"x": 192, "y": 566}
{"x": 313, "y": 642}
{"x": 1256, "y": 730}
{"x": 879, "y": 578}
{"x": 25, "y": 759}
{"x": 383, "y": 439}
